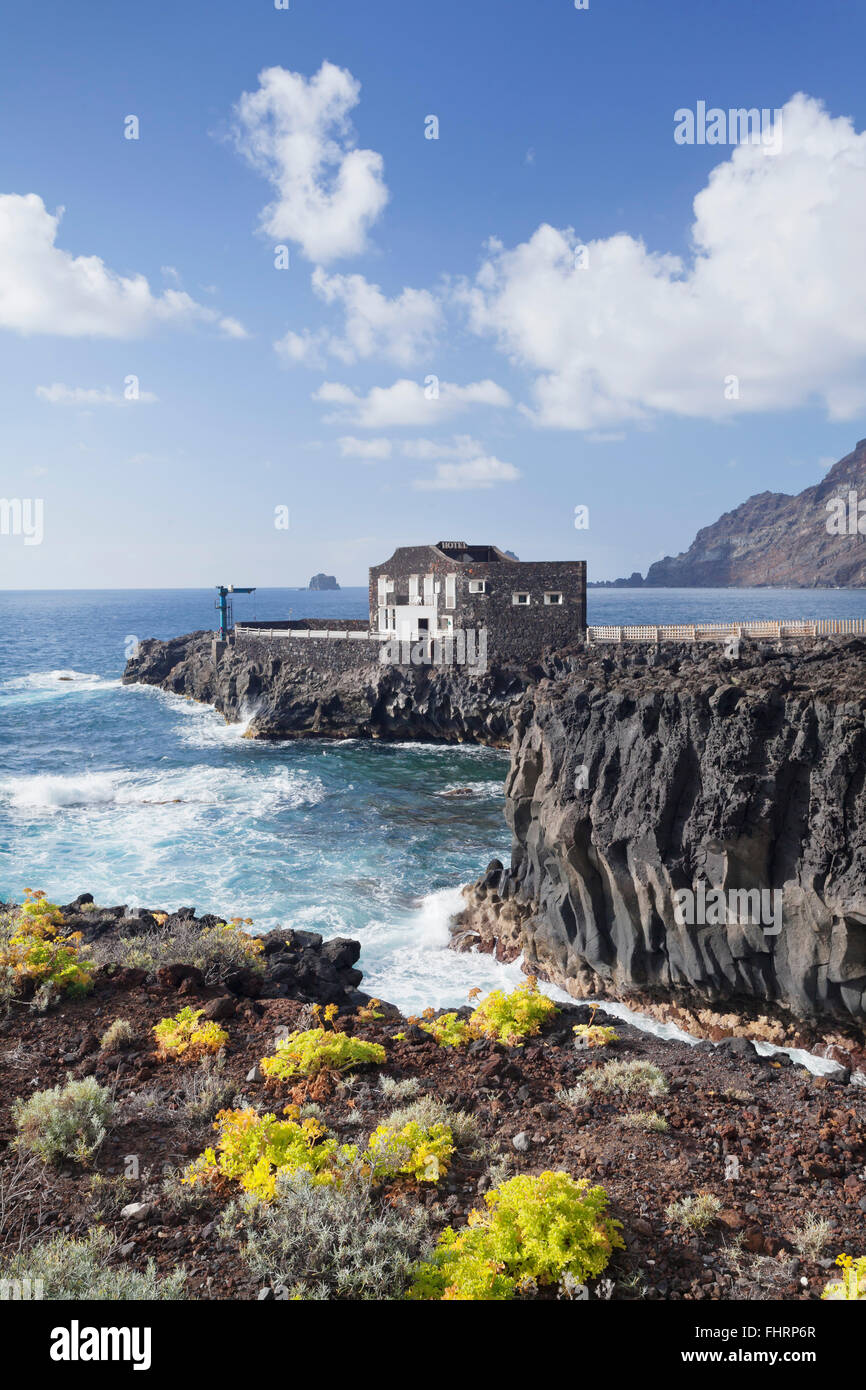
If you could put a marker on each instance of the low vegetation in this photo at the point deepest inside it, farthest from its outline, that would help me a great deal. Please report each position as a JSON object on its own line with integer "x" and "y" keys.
{"x": 648, "y": 1120}
{"x": 852, "y": 1284}
{"x": 505, "y": 1018}
{"x": 410, "y": 1149}
{"x": 593, "y": 1035}
{"x": 534, "y": 1232}
{"x": 320, "y": 1049}
{"x": 217, "y": 951}
{"x": 37, "y": 956}
{"x": 617, "y": 1079}
{"x": 315, "y": 1242}
{"x": 64, "y": 1123}
{"x": 63, "y": 1268}
{"x": 252, "y": 1150}
{"x": 184, "y": 1036}
{"x": 694, "y": 1213}
{"x": 117, "y": 1036}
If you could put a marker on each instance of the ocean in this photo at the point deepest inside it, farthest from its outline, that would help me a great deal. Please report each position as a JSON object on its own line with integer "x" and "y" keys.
{"x": 149, "y": 799}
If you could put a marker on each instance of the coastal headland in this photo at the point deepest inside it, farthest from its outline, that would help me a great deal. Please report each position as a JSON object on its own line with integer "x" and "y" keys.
{"x": 637, "y": 773}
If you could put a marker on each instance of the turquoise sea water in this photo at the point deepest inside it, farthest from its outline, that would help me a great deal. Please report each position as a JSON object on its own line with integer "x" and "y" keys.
{"x": 146, "y": 798}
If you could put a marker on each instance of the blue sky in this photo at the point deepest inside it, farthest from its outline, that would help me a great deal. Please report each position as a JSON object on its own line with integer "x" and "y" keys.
{"x": 599, "y": 385}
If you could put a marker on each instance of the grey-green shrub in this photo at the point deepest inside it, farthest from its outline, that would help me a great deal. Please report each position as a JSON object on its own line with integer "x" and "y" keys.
{"x": 324, "y": 1242}
{"x": 65, "y": 1122}
{"x": 78, "y": 1269}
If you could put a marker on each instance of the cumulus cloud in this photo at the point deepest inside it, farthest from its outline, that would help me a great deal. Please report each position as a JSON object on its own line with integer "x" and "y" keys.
{"x": 58, "y": 394}
{"x": 482, "y": 472}
{"x": 461, "y": 464}
{"x": 370, "y": 450}
{"x": 407, "y": 402}
{"x": 296, "y": 131}
{"x": 44, "y": 289}
{"x": 773, "y": 295}
{"x": 399, "y": 330}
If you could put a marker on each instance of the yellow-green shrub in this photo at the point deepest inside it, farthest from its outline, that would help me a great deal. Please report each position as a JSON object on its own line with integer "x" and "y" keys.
{"x": 184, "y": 1036}
{"x": 32, "y": 950}
{"x": 253, "y": 1149}
{"x": 594, "y": 1035}
{"x": 852, "y": 1285}
{"x": 509, "y": 1018}
{"x": 534, "y": 1229}
{"x": 418, "y": 1151}
{"x": 319, "y": 1049}
{"x": 449, "y": 1030}
{"x": 505, "y": 1018}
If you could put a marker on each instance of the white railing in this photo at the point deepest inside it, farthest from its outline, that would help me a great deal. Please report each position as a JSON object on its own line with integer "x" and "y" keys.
{"x": 304, "y": 633}
{"x": 723, "y": 632}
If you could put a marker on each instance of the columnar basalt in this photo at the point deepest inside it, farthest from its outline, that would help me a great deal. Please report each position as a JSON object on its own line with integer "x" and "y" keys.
{"x": 649, "y": 773}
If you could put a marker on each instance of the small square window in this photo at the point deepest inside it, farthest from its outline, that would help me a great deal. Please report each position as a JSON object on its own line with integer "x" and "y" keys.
{"x": 478, "y": 586}
{"x": 520, "y": 600}
{"x": 553, "y": 598}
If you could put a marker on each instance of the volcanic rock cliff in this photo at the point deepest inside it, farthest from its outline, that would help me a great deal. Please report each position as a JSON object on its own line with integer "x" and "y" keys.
{"x": 642, "y": 774}
{"x": 636, "y": 772}
{"x": 284, "y": 697}
{"x": 777, "y": 539}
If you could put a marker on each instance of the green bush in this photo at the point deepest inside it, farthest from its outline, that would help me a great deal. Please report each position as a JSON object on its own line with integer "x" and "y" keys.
{"x": 411, "y": 1150}
{"x": 319, "y": 1049}
{"x": 535, "y": 1232}
{"x": 65, "y": 1122}
{"x": 505, "y": 1018}
{"x": 72, "y": 1270}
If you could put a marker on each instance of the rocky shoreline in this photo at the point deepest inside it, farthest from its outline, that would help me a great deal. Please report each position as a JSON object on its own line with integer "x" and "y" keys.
{"x": 637, "y": 772}
{"x": 766, "y": 1140}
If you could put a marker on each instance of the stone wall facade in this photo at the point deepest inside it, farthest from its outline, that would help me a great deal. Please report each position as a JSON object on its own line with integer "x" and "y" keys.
{"x": 441, "y": 587}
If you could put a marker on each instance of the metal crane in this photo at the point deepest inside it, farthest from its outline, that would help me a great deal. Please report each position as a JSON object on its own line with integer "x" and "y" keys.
{"x": 224, "y": 606}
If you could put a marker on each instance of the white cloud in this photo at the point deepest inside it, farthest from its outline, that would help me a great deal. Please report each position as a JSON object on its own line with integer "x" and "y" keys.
{"x": 774, "y": 295}
{"x": 407, "y": 402}
{"x": 370, "y": 450}
{"x": 460, "y": 465}
{"x": 399, "y": 330}
{"x": 296, "y": 131}
{"x": 46, "y": 290}
{"x": 482, "y": 472}
{"x": 58, "y": 394}
{"x": 462, "y": 446}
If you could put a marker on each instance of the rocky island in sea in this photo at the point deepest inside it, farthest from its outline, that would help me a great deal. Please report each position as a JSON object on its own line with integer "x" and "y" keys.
{"x": 323, "y": 581}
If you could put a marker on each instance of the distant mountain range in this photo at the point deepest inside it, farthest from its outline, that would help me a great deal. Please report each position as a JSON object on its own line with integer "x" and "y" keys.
{"x": 809, "y": 541}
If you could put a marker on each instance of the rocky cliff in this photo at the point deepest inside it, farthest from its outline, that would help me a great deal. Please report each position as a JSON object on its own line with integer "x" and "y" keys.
{"x": 286, "y": 695}
{"x": 644, "y": 774}
{"x": 780, "y": 540}
{"x": 636, "y": 773}
{"x": 323, "y": 581}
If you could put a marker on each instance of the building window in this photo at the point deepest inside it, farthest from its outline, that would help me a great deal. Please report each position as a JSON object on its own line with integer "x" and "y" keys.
{"x": 553, "y": 598}
{"x": 520, "y": 600}
{"x": 478, "y": 586}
